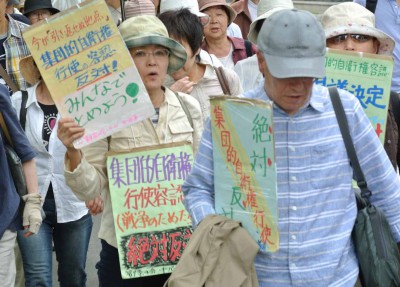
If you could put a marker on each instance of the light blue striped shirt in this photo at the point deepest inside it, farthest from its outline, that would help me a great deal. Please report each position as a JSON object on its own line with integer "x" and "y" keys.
{"x": 315, "y": 198}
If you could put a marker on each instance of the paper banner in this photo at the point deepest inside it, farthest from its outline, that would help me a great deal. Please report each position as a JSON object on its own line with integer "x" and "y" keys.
{"x": 244, "y": 161}
{"x": 89, "y": 71}
{"x": 151, "y": 223}
{"x": 367, "y": 76}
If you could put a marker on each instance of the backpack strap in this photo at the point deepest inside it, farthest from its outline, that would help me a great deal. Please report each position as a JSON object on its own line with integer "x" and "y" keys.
{"x": 395, "y": 103}
{"x": 248, "y": 47}
{"x": 222, "y": 80}
{"x": 185, "y": 109}
{"x": 371, "y": 5}
{"x": 22, "y": 110}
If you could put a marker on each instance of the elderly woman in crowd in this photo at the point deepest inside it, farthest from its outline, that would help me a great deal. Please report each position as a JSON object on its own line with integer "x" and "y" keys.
{"x": 155, "y": 55}
{"x": 229, "y": 50}
{"x": 351, "y": 27}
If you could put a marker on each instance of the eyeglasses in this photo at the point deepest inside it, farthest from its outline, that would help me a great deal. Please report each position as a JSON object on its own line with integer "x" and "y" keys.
{"x": 39, "y": 13}
{"x": 157, "y": 53}
{"x": 204, "y": 20}
{"x": 356, "y": 37}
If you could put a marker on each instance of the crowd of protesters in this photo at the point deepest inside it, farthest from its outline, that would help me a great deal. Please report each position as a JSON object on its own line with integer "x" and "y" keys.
{"x": 186, "y": 51}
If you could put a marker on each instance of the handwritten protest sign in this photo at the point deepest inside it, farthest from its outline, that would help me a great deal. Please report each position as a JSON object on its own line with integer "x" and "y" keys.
{"x": 244, "y": 156}
{"x": 89, "y": 71}
{"x": 151, "y": 223}
{"x": 367, "y": 76}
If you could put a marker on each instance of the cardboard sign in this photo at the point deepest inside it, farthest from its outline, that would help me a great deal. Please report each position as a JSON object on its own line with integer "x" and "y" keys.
{"x": 151, "y": 223}
{"x": 244, "y": 156}
{"x": 89, "y": 71}
{"x": 366, "y": 76}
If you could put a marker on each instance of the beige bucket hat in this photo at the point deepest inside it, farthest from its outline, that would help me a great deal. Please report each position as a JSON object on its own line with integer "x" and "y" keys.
{"x": 204, "y": 4}
{"x": 149, "y": 30}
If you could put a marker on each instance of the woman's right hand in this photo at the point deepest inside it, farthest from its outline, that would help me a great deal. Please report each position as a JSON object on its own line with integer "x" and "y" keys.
{"x": 68, "y": 131}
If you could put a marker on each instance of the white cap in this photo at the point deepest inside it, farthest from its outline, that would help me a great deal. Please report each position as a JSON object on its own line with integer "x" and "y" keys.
{"x": 192, "y": 5}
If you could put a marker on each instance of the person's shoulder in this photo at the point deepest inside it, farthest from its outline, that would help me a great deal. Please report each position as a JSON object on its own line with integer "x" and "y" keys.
{"x": 189, "y": 101}
{"x": 21, "y": 18}
{"x": 249, "y": 61}
{"x": 238, "y": 6}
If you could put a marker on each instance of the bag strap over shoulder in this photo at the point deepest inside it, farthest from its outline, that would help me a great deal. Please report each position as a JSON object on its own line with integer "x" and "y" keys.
{"x": 222, "y": 80}
{"x": 248, "y": 46}
{"x": 8, "y": 80}
{"x": 371, "y": 5}
{"x": 22, "y": 110}
{"x": 351, "y": 152}
{"x": 185, "y": 109}
{"x": 5, "y": 129}
{"x": 395, "y": 102}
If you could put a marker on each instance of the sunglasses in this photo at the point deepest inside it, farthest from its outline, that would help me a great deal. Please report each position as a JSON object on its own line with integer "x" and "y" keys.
{"x": 343, "y": 38}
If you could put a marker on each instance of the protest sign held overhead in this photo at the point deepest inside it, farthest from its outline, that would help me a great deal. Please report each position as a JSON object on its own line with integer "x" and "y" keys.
{"x": 88, "y": 70}
{"x": 244, "y": 156}
{"x": 151, "y": 223}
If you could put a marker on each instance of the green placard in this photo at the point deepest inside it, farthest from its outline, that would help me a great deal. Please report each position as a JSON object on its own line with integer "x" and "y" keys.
{"x": 367, "y": 76}
{"x": 245, "y": 168}
{"x": 151, "y": 223}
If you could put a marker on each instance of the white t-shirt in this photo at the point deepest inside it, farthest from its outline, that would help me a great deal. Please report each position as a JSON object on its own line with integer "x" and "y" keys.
{"x": 234, "y": 31}
{"x": 227, "y": 61}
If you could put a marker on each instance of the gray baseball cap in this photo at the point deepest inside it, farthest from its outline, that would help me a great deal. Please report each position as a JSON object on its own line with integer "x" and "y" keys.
{"x": 293, "y": 44}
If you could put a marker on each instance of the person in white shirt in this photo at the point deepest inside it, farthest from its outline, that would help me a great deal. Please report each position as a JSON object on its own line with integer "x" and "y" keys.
{"x": 249, "y": 66}
{"x": 68, "y": 222}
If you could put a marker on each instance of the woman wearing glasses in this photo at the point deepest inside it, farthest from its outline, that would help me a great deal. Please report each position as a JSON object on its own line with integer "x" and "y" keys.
{"x": 351, "y": 27}
{"x": 155, "y": 55}
{"x": 37, "y": 10}
{"x": 198, "y": 76}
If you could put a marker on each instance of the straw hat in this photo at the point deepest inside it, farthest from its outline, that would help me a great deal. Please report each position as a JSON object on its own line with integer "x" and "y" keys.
{"x": 204, "y": 4}
{"x": 29, "y": 70}
{"x": 352, "y": 18}
{"x": 149, "y": 30}
{"x": 265, "y": 9}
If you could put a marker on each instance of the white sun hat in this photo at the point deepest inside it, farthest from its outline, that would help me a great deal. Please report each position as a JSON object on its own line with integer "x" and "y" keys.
{"x": 192, "y": 5}
{"x": 352, "y": 18}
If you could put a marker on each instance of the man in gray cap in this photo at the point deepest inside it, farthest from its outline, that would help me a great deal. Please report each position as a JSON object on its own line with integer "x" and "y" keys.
{"x": 316, "y": 202}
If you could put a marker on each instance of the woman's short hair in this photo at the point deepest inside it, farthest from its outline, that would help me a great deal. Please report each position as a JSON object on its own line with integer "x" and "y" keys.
{"x": 183, "y": 26}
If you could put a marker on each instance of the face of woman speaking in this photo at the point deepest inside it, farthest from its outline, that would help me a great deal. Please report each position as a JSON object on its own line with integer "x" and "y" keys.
{"x": 217, "y": 28}
{"x": 152, "y": 64}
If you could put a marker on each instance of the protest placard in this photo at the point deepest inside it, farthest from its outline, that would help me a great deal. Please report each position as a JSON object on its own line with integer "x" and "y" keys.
{"x": 151, "y": 223}
{"x": 88, "y": 70}
{"x": 367, "y": 76}
{"x": 244, "y": 156}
